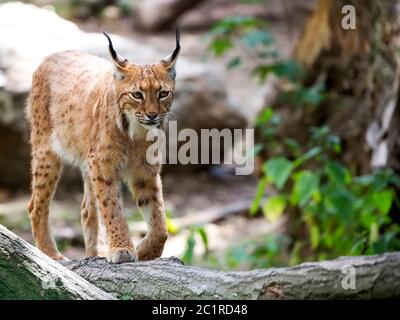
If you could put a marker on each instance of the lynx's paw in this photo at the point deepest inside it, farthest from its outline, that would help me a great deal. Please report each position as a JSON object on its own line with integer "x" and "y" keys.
{"x": 121, "y": 255}
{"x": 60, "y": 257}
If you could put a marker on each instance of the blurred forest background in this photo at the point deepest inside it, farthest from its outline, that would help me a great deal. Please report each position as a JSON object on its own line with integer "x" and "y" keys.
{"x": 323, "y": 101}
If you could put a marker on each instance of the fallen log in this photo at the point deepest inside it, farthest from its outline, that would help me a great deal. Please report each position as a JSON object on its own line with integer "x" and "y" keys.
{"x": 375, "y": 277}
{"x": 27, "y": 273}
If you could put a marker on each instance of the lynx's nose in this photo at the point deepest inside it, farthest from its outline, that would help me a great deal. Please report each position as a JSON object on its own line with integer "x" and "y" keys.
{"x": 152, "y": 116}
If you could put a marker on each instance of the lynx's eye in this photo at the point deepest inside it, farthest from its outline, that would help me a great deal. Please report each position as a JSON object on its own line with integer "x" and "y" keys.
{"x": 137, "y": 95}
{"x": 163, "y": 94}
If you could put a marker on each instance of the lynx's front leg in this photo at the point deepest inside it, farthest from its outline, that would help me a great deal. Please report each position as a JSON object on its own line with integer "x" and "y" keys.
{"x": 147, "y": 191}
{"x": 107, "y": 185}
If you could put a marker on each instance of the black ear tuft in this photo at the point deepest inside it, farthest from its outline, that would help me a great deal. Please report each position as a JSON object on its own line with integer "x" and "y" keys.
{"x": 170, "y": 60}
{"x": 110, "y": 47}
{"x": 121, "y": 62}
{"x": 177, "y": 43}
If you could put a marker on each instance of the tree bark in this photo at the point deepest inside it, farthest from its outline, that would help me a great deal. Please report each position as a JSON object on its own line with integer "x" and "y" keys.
{"x": 376, "y": 277}
{"x": 27, "y": 273}
{"x": 359, "y": 69}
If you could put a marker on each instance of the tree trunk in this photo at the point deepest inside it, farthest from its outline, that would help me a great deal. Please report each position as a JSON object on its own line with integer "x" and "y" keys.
{"x": 359, "y": 69}
{"x": 27, "y": 273}
{"x": 376, "y": 277}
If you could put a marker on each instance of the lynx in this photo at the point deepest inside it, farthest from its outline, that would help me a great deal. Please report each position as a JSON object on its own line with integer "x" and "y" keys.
{"x": 95, "y": 115}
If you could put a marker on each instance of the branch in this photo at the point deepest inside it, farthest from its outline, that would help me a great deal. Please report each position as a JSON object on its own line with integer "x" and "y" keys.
{"x": 202, "y": 217}
{"x": 27, "y": 273}
{"x": 376, "y": 277}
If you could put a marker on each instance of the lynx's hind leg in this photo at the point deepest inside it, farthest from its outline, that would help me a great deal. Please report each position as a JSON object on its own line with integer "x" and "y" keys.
{"x": 46, "y": 168}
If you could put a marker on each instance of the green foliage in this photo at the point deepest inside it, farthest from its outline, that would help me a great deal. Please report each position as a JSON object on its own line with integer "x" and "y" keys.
{"x": 288, "y": 69}
{"x": 262, "y": 253}
{"x": 334, "y": 212}
{"x": 278, "y": 170}
{"x": 248, "y": 32}
{"x": 199, "y": 231}
{"x": 251, "y": 35}
{"x": 302, "y": 96}
{"x": 274, "y": 207}
{"x": 343, "y": 214}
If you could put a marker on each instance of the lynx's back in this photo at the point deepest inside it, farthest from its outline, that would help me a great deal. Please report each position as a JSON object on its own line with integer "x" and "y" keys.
{"x": 62, "y": 100}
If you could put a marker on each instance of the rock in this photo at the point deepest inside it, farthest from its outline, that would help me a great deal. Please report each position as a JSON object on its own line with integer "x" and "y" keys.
{"x": 28, "y": 34}
{"x": 153, "y": 15}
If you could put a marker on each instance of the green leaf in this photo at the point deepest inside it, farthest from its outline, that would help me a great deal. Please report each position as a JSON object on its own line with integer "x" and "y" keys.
{"x": 315, "y": 236}
{"x": 357, "y": 248}
{"x": 295, "y": 256}
{"x": 312, "y": 95}
{"x": 307, "y": 156}
{"x": 367, "y": 217}
{"x": 334, "y": 143}
{"x": 365, "y": 180}
{"x": 231, "y": 23}
{"x": 374, "y": 233}
{"x": 395, "y": 180}
{"x": 265, "y": 116}
{"x": 337, "y": 173}
{"x": 340, "y": 201}
{"x": 289, "y": 69}
{"x": 189, "y": 251}
{"x": 381, "y": 181}
{"x": 383, "y": 200}
{"x": 278, "y": 171}
{"x": 256, "y": 38}
{"x": 275, "y": 120}
{"x": 262, "y": 184}
{"x": 306, "y": 182}
{"x": 234, "y": 63}
{"x": 273, "y": 207}
{"x": 292, "y": 144}
{"x": 220, "y": 45}
{"x": 203, "y": 236}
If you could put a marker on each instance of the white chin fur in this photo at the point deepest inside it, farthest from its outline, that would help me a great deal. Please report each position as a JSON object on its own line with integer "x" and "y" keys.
{"x": 135, "y": 127}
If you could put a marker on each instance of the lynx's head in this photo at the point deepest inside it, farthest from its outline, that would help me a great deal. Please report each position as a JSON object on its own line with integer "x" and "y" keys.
{"x": 144, "y": 92}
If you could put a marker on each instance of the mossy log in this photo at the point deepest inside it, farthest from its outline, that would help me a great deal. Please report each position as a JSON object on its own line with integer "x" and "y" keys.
{"x": 26, "y": 273}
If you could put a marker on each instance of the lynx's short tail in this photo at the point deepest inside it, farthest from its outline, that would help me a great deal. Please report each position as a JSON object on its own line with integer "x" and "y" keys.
{"x": 37, "y": 107}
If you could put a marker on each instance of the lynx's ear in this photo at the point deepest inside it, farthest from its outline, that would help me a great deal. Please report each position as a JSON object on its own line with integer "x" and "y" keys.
{"x": 170, "y": 60}
{"x": 119, "y": 62}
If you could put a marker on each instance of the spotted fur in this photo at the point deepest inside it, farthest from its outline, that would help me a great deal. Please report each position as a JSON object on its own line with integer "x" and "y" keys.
{"x": 89, "y": 113}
